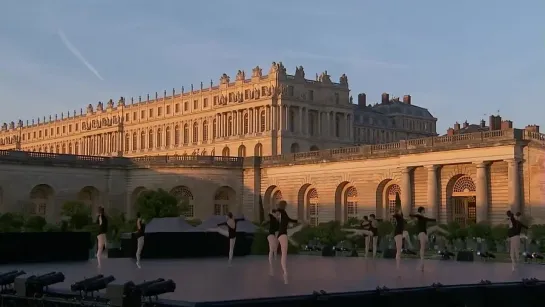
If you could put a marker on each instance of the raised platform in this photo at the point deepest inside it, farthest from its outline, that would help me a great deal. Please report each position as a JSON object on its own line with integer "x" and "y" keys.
{"x": 211, "y": 280}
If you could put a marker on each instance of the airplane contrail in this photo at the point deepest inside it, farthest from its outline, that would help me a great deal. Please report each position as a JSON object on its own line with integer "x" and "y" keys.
{"x": 78, "y": 54}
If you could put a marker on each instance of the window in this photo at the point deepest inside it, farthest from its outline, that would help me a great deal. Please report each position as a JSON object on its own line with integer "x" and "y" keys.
{"x": 168, "y": 110}
{"x": 127, "y": 139}
{"x": 167, "y": 137}
{"x": 142, "y": 114}
{"x": 351, "y": 203}
{"x": 186, "y": 133}
{"x": 313, "y": 207}
{"x": 150, "y": 139}
{"x": 195, "y": 132}
{"x": 177, "y": 135}
{"x": 214, "y": 129}
{"x": 311, "y": 95}
{"x": 159, "y": 111}
{"x": 150, "y": 112}
{"x": 177, "y": 108}
{"x": 134, "y": 141}
{"x": 246, "y": 123}
{"x": 186, "y": 106}
{"x": 205, "y": 103}
{"x": 205, "y": 131}
{"x": 142, "y": 140}
{"x": 195, "y": 104}
{"x": 262, "y": 121}
{"x": 291, "y": 90}
{"x": 230, "y": 126}
{"x": 159, "y": 137}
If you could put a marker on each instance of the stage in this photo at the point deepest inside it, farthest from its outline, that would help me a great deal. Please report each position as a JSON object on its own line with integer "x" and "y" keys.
{"x": 200, "y": 280}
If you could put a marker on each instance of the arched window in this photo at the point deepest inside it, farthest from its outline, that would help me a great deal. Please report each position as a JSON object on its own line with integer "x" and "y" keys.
{"x": 393, "y": 190}
{"x": 159, "y": 137}
{"x": 351, "y": 203}
{"x": 262, "y": 121}
{"x": 142, "y": 140}
{"x": 134, "y": 141}
{"x": 242, "y": 151}
{"x": 186, "y": 134}
{"x": 76, "y": 149}
{"x": 313, "y": 207}
{"x": 127, "y": 140}
{"x": 258, "y": 150}
{"x": 195, "y": 132}
{"x": 214, "y": 129}
{"x": 229, "y": 126}
{"x": 58, "y": 149}
{"x": 177, "y": 135}
{"x": 225, "y": 152}
{"x": 185, "y": 197}
{"x": 205, "y": 131}
{"x": 246, "y": 123}
{"x": 167, "y": 137}
{"x": 150, "y": 139}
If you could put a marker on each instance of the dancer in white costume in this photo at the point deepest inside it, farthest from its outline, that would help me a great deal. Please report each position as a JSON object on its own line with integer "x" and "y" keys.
{"x": 230, "y": 233}
{"x": 102, "y": 222}
{"x": 140, "y": 229}
{"x": 423, "y": 231}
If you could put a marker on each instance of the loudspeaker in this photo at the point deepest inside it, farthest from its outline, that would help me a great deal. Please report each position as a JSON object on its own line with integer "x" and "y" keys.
{"x": 465, "y": 256}
{"x": 389, "y": 253}
{"x": 328, "y": 251}
{"x": 123, "y": 294}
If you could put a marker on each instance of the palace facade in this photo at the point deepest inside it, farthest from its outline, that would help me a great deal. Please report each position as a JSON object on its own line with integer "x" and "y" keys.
{"x": 262, "y": 115}
{"x": 462, "y": 177}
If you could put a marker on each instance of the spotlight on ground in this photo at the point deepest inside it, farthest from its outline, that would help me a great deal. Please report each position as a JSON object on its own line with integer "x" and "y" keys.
{"x": 37, "y": 285}
{"x": 158, "y": 288}
{"x": 445, "y": 254}
{"x": 7, "y": 279}
{"x": 486, "y": 255}
{"x": 93, "y": 284}
{"x": 537, "y": 256}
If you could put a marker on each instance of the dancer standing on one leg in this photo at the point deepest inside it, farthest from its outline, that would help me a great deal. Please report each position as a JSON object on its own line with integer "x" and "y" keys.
{"x": 273, "y": 238}
{"x": 398, "y": 234}
{"x": 364, "y": 230}
{"x": 283, "y": 236}
{"x": 102, "y": 222}
{"x": 231, "y": 233}
{"x": 515, "y": 228}
{"x": 374, "y": 230}
{"x": 423, "y": 231}
{"x": 140, "y": 229}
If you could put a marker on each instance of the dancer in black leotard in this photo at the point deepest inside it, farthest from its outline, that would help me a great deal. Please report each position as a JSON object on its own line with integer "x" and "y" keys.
{"x": 424, "y": 231}
{"x": 362, "y": 230}
{"x": 284, "y": 221}
{"x": 140, "y": 229}
{"x": 399, "y": 230}
{"x": 515, "y": 228}
{"x": 231, "y": 232}
{"x": 273, "y": 237}
{"x": 373, "y": 227}
{"x": 102, "y": 222}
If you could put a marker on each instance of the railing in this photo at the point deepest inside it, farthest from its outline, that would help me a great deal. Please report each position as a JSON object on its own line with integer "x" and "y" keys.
{"x": 488, "y": 138}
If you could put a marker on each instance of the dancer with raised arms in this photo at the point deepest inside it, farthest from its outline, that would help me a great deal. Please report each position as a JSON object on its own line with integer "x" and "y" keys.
{"x": 230, "y": 233}
{"x": 515, "y": 228}
{"x": 283, "y": 236}
{"x": 423, "y": 231}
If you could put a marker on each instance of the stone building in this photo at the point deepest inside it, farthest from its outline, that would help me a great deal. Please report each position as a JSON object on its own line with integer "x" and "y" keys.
{"x": 465, "y": 177}
{"x": 262, "y": 115}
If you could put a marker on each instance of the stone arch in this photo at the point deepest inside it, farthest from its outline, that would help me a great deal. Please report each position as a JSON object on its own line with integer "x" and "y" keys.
{"x": 134, "y": 197}
{"x": 224, "y": 200}
{"x": 41, "y": 199}
{"x": 314, "y": 148}
{"x": 225, "y": 152}
{"x": 385, "y": 198}
{"x": 461, "y": 193}
{"x": 242, "y": 151}
{"x": 301, "y": 204}
{"x": 271, "y": 198}
{"x": 183, "y": 194}
{"x": 90, "y": 196}
{"x": 294, "y": 148}
{"x": 258, "y": 150}
{"x": 346, "y": 201}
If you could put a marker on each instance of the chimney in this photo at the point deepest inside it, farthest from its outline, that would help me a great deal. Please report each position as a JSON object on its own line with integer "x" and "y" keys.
{"x": 457, "y": 126}
{"x": 498, "y": 122}
{"x": 407, "y": 99}
{"x": 362, "y": 100}
{"x": 385, "y": 97}
{"x": 532, "y": 128}
{"x": 492, "y": 123}
{"x": 506, "y": 124}
{"x": 466, "y": 124}
{"x": 450, "y": 132}
{"x": 483, "y": 123}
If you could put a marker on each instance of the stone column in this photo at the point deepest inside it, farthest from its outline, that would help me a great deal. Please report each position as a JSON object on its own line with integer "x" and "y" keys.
{"x": 482, "y": 191}
{"x": 513, "y": 185}
{"x": 406, "y": 195}
{"x": 434, "y": 208}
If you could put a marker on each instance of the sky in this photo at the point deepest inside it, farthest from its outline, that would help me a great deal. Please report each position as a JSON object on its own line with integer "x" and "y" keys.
{"x": 462, "y": 60}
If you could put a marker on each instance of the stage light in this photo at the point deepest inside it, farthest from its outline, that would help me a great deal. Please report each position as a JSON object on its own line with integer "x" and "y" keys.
{"x": 158, "y": 288}
{"x": 80, "y": 285}
{"x": 144, "y": 286}
{"x": 38, "y": 284}
{"x": 8, "y": 278}
{"x": 445, "y": 254}
{"x": 537, "y": 256}
{"x": 91, "y": 285}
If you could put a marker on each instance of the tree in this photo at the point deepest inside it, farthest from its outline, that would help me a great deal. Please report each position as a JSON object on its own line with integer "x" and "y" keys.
{"x": 160, "y": 203}
{"x": 78, "y": 213}
{"x": 35, "y": 223}
{"x": 11, "y": 222}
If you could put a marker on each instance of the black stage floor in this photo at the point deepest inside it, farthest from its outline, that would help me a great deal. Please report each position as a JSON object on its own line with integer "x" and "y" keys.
{"x": 199, "y": 280}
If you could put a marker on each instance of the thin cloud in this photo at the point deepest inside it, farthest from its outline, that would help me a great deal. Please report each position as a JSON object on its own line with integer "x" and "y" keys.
{"x": 78, "y": 54}
{"x": 345, "y": 60}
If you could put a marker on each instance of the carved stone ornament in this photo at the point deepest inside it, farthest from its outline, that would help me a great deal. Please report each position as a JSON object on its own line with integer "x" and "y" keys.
{"x": 241, "y": 75}
{"x": 343, "y": 80}
{"x": 224, "y": 79}
{"x": 257, "y": 72}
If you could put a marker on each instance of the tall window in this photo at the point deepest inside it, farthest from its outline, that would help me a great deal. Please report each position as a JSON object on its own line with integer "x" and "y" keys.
{"x": 184, "y": 196}
{"x": 167, "y": 137}
{"x": 246, "y": 123}
{"x": 205, "y": 131}
{"x": 351, "y": 203}
{"x": 262, "y": 121}
{"x": 391, "y": 197}
{"x": 230, "y": 126}
{"x": 313, "y": 207}
{"x": 127, "y": 140}
{"x": 221, "y": 203}
{"x": 177, "y": 135}
{"x": 142, "y": 140}
{"x": 337, "y": 126}
{"x": 150, "y": 139}
{"x": 214, "y": 129}
{"x": 292, "y": 121}
{"x": 195, "y": 132}
{"x": 159, "y": 137}
{"x": 186, "y": 133}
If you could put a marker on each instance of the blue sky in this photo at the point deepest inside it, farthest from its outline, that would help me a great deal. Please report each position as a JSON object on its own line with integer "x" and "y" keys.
{"x": 460, "y": 59}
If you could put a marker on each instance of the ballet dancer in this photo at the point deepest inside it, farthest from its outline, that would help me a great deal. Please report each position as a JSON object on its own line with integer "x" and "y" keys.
{"x": 515, "y": 228}
{"x": 399, "y": 234}
{"x": 102, "y": 222}
{"x": 283, "y": 237}
{"x": 373, "y": 227}
{"x": 363, "y": 230}
{"x": 272, "y": 237}
{"x": 231, "y": 233}
{"x": 424, "y": 231}
{"x": 140, "y": 229}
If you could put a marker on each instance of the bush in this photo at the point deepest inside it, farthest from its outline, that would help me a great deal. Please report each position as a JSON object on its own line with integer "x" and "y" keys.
{"x": 35, "y": 223}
